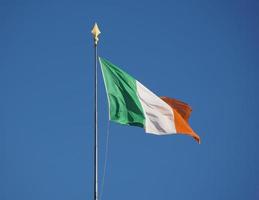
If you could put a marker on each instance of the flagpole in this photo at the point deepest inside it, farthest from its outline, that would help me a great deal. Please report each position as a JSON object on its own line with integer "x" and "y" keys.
{"x": 95, "y": 33}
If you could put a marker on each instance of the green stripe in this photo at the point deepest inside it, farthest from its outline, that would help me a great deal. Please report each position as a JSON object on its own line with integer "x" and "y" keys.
{"x": 125, "y": 107}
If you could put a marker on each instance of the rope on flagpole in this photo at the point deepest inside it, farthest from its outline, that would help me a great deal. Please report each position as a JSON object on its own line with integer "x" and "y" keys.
{"x": 105, "y": 157}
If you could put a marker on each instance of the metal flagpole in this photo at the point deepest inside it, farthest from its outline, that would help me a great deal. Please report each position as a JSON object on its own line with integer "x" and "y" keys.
{"x": 95, "y": 33}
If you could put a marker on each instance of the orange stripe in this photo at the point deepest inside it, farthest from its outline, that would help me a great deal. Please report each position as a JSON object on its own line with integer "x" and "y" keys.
{"x": 182, "y": 108}
{"x": 181, "y": 123}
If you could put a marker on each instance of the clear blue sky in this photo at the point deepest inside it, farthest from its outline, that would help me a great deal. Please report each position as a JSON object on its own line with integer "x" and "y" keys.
{"x": 202, "y": 52}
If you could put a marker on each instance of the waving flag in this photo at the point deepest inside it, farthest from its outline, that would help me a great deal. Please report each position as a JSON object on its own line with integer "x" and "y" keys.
{"x": 131, "y": 103}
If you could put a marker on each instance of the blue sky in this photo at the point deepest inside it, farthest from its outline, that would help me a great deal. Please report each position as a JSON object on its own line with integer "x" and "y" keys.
{"x": 203, "y": 52}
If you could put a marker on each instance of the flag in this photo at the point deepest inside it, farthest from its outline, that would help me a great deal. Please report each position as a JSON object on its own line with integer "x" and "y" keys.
{"x": 131, "y": 103}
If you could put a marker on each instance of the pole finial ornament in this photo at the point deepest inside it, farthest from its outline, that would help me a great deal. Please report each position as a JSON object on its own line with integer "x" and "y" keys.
{"x": 96, "y": 31}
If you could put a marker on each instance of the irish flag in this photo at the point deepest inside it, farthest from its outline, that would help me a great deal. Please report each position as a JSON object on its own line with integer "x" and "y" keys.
{"x": 131, "y": 103}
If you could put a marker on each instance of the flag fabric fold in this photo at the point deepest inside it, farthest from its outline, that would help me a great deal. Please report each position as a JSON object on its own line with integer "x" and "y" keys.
{"x": 131, "y": 103}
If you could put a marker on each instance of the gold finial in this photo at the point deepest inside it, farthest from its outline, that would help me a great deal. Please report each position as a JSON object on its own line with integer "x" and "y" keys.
{"x": 95, "y": 33}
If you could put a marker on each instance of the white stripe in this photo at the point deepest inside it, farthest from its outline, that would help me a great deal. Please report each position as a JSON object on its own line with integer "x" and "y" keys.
{"x": 159, "y": 117}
